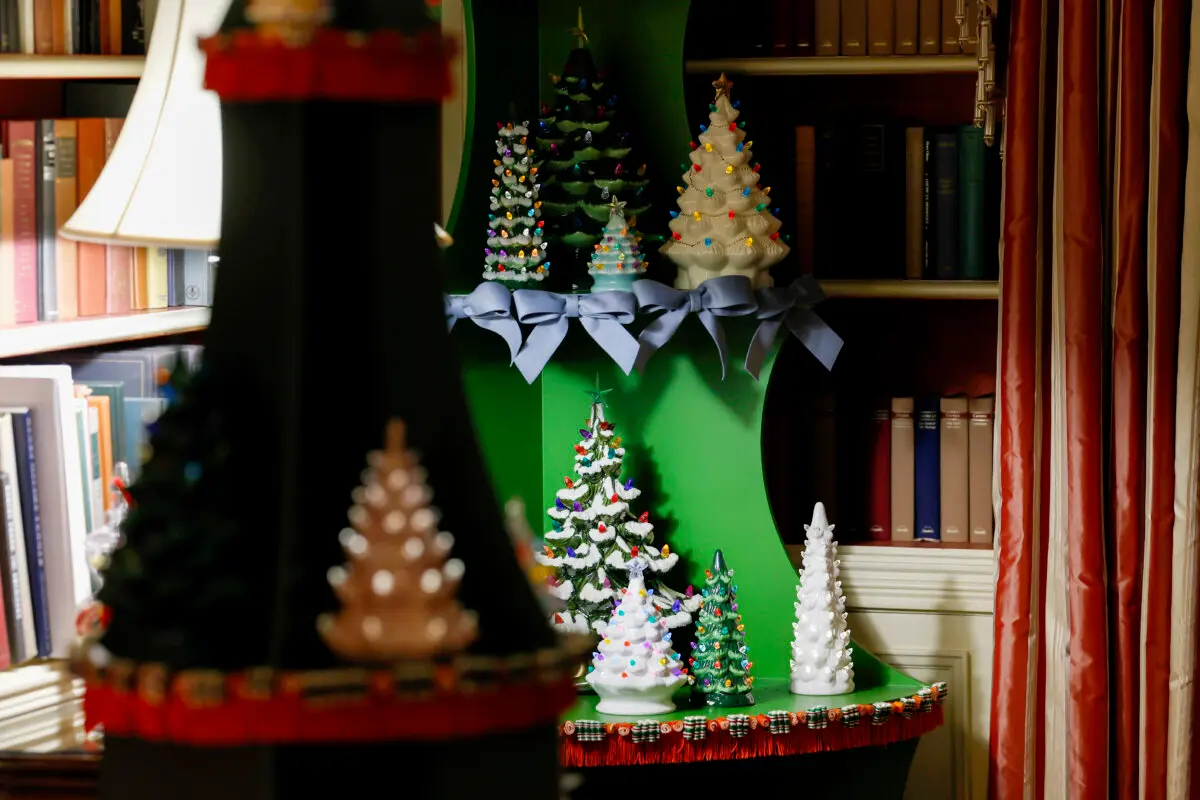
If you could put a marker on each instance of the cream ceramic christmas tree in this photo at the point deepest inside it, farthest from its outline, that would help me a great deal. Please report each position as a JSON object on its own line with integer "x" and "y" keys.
{"x": 724, "y": 225}
{"x": 634, "y": 669}
{"x": 821, "y": 649}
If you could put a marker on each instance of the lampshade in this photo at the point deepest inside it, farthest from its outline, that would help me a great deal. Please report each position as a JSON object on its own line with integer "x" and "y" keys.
{"x": 161, "y": 185}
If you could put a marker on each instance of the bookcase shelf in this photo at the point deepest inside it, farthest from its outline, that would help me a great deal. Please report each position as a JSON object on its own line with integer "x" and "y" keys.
{"x": 913, "y": 290}
{"x": 47, "y": 337}
{"x": 22, "y": 67}
{"x": 837, "y": 65}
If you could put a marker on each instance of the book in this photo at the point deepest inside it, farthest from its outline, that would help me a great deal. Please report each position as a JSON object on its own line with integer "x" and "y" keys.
{"x": 854, "y": 27}
{"x": 21, "y": 139}
{"x": 881, "y": 25}
{"x": 929, "y": 26}
{"x": 914, "y": 202}
{"x": 879, "y": 472}
{"x": 902, "y": 475}
{"x": 907, "y": 38}
{"x": 950, "y": 28}
{"x": 804, "y": 25}
{"x": 47, "y": 230}
{"x": 66, "y": 252}
{"x": 828, "y": 27}
{"x": 971, "y": 202}
{"x": 35, "y": 551}
{"x": 18, "y": 600}
{"x": 979, "y": 445}
{"x": 955, "y": 513}
{"x": 945, "y": 204}
{"x": 927, "y": 471}
{"x": 8, "y": 259}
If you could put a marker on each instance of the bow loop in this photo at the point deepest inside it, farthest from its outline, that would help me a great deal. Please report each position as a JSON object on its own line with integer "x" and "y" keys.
{"x": 602, "y": 316}
{"x": 490, "y": 307}
{"x": 792, "y": 306}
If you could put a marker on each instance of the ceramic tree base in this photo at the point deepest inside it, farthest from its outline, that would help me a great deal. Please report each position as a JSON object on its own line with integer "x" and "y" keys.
{"x": 690, "y": 276}
{"x": 636, "y": 700}
{"x": 821, "y": 687}
{"x": 613, "y": 281}
{"x": 723, "y": 700}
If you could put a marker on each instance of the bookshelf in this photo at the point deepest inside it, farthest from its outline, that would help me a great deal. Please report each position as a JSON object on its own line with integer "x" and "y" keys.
{"x": 48, "y": 337}
{"x": 912, "y": 289}
{"x": 836, "y": 65}
{"x": 25, "y": 67}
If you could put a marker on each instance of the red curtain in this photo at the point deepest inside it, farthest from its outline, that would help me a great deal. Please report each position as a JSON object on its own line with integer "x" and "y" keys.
{"x": 1095, "y": 617}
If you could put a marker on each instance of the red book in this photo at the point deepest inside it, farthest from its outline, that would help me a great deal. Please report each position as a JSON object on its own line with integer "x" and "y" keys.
{"x": 23, "y": 141}
{"x": 879, "y": 472}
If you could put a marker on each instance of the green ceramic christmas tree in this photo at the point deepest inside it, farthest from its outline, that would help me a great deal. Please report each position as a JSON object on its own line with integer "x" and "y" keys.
{"x": 588, "y": 153}
{"x": 617, "y": 260}
{"x": 720, "y": 656}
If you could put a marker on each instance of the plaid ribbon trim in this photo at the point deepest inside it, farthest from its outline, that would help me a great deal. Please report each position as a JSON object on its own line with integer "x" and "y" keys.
{"x": 695, "y": 729}
{"x": 739, "y": 725}
{"x": 850, "y": 716}
{"x": 817, "y": 718}
{"x": 589, "y": 730}
{"x": 645, "y": 731}
{"x": 881, "y": 713}
{"x": 779, "y": 722}
{"x": 908, "y": 707}
{"x": 941, "y": 690}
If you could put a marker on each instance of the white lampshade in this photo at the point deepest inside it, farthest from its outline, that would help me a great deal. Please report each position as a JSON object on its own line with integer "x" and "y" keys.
{"x": 161, "y": 185}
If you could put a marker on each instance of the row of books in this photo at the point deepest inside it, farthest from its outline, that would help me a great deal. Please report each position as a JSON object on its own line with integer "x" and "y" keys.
{"x": 930, "y": 470}
{"x": 927, "y": 197}
{"x": 838, "y": 27}
{"x": 73, "y": 27}
{"x": 64, "y": 425}
{"x": 47, "y": 168}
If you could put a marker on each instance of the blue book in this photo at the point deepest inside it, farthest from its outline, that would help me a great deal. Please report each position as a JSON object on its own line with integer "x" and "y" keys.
{"x": 139, "y": 412}
{"x": 34, "y": 551}
{"x": 927, "y": 468}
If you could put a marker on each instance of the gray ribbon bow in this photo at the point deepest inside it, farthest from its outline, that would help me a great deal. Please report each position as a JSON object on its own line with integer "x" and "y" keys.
{"x": 602, "y": 315}
{"x": 792, "y": 305}
{"x": 489, "y": 307}
{"x": 727, "y": 296}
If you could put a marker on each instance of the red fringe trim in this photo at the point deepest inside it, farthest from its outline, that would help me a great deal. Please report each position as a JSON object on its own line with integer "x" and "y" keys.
{"x": 336, "y": 65}
{"x": 619, "y": 749}
{"x": 289, "y": 718}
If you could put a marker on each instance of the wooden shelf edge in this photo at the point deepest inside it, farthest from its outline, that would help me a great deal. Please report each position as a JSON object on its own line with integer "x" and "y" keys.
{"x": 48, "y": 337}
{"x": 837, "y": 65}
{"x": 18, "y": 66}
{"x": 913, "y": 290}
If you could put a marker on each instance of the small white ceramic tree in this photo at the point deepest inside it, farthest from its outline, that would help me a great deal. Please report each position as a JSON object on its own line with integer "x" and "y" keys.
{"x": 634, "y": 669}
{"x": 821, "y": 649}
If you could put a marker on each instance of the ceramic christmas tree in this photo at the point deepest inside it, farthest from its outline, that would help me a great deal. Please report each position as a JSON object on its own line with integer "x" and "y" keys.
{"x": 821, "y": 649}
{"x": 724, "y": 225}
{"x": 720, "y": 661}
{"x": 593, "y": 531}
{"x": 588, "y": 152}
{"x": 634, "y": 669}
{"x": 515, "y": 251}
{"x": 617, "y": 260}
{"x": 399, "y": 594}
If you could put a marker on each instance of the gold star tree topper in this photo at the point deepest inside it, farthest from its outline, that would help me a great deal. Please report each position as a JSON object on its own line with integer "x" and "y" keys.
{"x": 578, "y": 32}
{"x": 722, "y": 85}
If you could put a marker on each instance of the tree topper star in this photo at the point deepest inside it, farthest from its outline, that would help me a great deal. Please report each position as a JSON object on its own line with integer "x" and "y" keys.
{"x": 578, "y": 32}
{"x": 722, "y": 85}
{"x": 617, "y": 205}
{"x": 597, "y": 393}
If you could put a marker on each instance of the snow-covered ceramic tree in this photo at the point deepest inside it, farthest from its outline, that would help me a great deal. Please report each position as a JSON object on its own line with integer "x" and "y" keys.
{"x": 821, "y": 649}
{"x": 515, "y": 251}
{"x": 593, "y": 531}
{"x": 634, "y": 669}
{"x": 617, "y": 260}
{"x": 723, "y": 226}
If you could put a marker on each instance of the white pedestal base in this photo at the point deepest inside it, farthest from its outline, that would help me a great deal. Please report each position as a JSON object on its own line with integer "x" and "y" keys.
{"x": 821, "y": 687}
{"x": 631, "y": 700}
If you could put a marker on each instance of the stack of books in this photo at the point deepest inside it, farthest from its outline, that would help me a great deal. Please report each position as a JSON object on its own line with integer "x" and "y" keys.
{"x": 47, "y": 168}
{"x": 73, "y": 27}
{"x": 64, "y": 425}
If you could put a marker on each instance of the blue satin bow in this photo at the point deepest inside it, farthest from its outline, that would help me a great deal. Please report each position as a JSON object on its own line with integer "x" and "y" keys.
{"x": 602, "y": 315}
{"x": 489, "y": 307}
{"x": 792, "y": 305}
{"x": 726, "y": 296}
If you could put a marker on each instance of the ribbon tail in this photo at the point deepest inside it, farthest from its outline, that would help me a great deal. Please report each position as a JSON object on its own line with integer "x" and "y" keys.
{"x": 506, "y": 329}
{"x": 539, "y": 347}
{"x": 450, "y": 320}
{"x": 656, "y": 334}
{"x": 816, "y": 335}
{"x": 614, "y": 340}
{"x": 713, "y": 326}
{"x": 760, "y": 345}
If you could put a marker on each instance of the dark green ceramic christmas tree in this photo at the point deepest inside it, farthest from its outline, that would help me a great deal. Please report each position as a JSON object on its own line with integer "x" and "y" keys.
{"x": 588, "y": 152}
{"x": 721, "y": 658}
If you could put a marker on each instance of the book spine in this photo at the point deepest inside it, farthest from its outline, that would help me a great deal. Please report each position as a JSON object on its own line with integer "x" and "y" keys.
{"x": 47, "y": 234}
{"x": 946, "y": 205}
{"x": 881, "y": 23}
{"x": 35, "y": 553}
{"x": 141, "y": 279}
{"x": 854, "y": 27}
{"x": 806, "y": 198}
{"x": 879, "y": 478}
{"x": 907, "y": 36}
{"x": 8, "y": 257}
{"x": 133, "y": 28}
{"x": 43, "y": 27}
{"x": 177, "y": 286}
{"x": 13, "y": 610}
{"x": 66, "y": 252}
{"x": 156, "y": 277}
{"x": 914, "y": 202}
{"x": 928, "y": 218}
{"x": 926, "y": 470}
{"x": 804, "y": 17}
{"x": 195, "y": 277}
{"x": 970, "y": 202}
{"x": 119, "y": 279}
{"x": 971, "y": 43}
{"x": 949, "y": 43}
{"x": 979, "y": 449}
{"x": 903, "y": 492}
{"x": 954, "y": 466}
{"x": 827, "y": 19}
{"x": 783, "y": 28}
{"x": 929, "y": 26}
{"x": 25, "y": 231}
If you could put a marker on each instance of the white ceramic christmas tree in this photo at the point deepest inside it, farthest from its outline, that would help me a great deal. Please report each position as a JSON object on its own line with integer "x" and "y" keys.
{"x": 515, "y": 251}
{"x": 724, "y": 225}
{"x": 617, "y": 260}
{"x": 821, "y": 649}
{"x": 634, "y": 669}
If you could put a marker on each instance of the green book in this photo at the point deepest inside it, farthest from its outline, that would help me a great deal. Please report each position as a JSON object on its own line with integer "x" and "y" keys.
{"x": 970, "y": 203}
{"x": 115, "y": 392}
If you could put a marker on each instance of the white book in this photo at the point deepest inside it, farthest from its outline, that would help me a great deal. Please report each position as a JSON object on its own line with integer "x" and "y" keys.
{"x": 17, "y": 562}
{"x": 49, "y": 394}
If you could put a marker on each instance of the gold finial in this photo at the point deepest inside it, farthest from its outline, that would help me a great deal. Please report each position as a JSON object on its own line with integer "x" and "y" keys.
{"x": 578, "y": 32}
{"x": 722, "y": 85}
{"x": 292, "y": 21}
